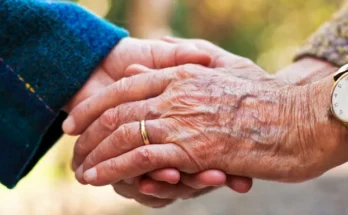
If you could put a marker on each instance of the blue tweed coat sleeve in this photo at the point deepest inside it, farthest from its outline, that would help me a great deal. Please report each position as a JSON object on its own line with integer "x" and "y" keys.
{"x": 47, "y": 51}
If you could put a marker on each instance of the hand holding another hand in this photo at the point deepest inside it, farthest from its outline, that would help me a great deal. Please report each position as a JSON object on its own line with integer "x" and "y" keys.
{"x": 257, "y": 126}
{"x": 163, "y": 54}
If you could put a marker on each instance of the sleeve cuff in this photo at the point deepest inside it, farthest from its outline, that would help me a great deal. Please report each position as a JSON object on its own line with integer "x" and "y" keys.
{"x": 330, "y": 42}
{"x": 53, "y": 49}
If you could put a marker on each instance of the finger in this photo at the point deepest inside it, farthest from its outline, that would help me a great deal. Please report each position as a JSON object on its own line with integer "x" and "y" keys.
{"x": 169, "y": 175}
{"x": 135, "y": 88}
{"x": 156, "y": 55}
{"x": 126, "y": 138}
{"x": 135, "y": 69}
{"x": 239, "y": 184}
{"x": 204, "y": 45}
{"x": 138, "y": 162}
{"x": 180, "y": 54}
{"x": 220, "y": 57}
{"x": 100, "y": 133}
{"x": 164, "y": 190}
{"x": 209, "y": 178}
{"x": 132, "y": 192}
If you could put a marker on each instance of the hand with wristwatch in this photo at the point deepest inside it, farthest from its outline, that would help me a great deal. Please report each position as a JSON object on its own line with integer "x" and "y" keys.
{"x": 280, "y": 129}
{"x": 273, "y": 128}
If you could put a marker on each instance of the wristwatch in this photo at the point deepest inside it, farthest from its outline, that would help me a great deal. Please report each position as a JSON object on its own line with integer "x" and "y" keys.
{"x": 339, "y": 95}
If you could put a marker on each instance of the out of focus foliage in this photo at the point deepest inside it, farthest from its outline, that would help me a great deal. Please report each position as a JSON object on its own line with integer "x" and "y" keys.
{"x": 267, "y": 31}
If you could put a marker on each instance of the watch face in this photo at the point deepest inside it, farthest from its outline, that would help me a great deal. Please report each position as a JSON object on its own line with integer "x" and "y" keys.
{"x": 340, "y": 99}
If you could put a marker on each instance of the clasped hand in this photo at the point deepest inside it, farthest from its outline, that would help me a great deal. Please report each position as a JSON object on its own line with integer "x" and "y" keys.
{"x": 222, "y": 116}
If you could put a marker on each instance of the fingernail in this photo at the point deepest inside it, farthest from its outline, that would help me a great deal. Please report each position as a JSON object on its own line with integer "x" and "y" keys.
{"x": 129, "y": 181}
{"x": 69, "y": 125}
{"x": 90, "y": 175}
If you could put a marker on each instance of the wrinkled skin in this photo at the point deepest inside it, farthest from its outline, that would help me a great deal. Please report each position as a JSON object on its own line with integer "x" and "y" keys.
{"x": 159, "y": 187}
{"x": 198, "y": 118}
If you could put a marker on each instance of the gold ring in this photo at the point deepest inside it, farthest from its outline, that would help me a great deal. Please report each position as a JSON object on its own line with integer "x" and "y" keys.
{"x": 143, "y": 132}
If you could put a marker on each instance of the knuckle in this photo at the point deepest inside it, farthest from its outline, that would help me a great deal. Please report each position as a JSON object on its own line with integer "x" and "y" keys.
{"x": 151, "y": 111}
{"x": 144, "y": 156}
{"x": 186, "y": 71}
{"x": 113, "y": 165}
{"x": 117, "y": 143}
{"x": 108, "y": 119}
{"x": 124, "y": 133}
{"x": 122, "y": 85}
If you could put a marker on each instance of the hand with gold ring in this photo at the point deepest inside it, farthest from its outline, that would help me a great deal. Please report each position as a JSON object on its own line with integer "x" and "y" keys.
{"x": 241, "y": 121}
{"x": 198, "y": 182}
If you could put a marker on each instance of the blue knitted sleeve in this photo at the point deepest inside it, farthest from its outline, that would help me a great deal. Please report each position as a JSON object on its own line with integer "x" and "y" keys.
{"x": 47, "y": 51}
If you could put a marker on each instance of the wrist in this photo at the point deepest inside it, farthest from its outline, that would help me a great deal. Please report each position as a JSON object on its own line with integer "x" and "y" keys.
{"x": 306, "y": 71}
{"x": 317, "y": 140}
{"x": 329, "y": 134}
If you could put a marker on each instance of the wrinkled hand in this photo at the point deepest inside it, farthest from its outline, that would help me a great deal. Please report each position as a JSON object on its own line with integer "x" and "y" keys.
{"x": 115, "y": 137}
{"x": 191, "y": 185}
{"x": 157, "y": 55}
{"x": 198, "y": 118}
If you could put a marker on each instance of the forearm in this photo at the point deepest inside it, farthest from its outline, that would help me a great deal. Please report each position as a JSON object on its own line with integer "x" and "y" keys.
{"x": 305, "y": 71}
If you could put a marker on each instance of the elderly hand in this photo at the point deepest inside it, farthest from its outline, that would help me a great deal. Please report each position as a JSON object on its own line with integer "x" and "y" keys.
{"x": 200, "y": 118}
{"x": 152, "y": 53}
{"x": 156, "y": 55}
{"x": 190, "y": 185}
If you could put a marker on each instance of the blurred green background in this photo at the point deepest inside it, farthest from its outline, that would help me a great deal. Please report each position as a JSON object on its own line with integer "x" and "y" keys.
{"x": 267, "y": 31}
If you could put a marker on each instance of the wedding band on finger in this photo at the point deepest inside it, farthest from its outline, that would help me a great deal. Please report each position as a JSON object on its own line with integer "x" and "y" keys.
{"x": 143, "y": 132}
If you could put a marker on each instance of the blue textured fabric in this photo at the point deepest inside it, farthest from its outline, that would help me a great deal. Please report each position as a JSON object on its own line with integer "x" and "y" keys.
{"x": 47, "y": 51}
